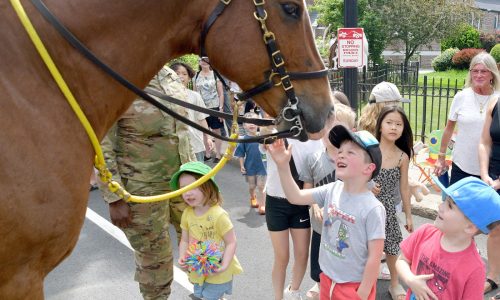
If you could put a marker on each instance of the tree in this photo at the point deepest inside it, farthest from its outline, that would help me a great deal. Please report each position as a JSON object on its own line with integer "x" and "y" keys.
{"x": 419, "y": 22}
{"x": 189, "y": 59}
{"x": 414, "y": 22}
{"x": 369, "y": 17}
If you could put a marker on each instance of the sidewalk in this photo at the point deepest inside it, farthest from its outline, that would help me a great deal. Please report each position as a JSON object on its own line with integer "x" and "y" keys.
{"x": 427, "y": 208}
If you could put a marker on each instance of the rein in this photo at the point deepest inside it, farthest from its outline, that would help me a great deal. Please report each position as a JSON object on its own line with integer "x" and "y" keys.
{"x": 104, "y": 174}
{"x": 73, "y": 41}
{"x": 278, "y": 76}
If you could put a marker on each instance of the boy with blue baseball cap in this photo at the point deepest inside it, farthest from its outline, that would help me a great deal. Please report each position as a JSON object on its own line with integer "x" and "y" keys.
{"x": 440, "y": 260}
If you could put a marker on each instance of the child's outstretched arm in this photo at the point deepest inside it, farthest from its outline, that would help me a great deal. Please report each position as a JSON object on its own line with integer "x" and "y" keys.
{"x": 230, "y": 249}
{"x": 417, "y": 283}
{"x": 183, "y": 245}
{"x": 404, "y": 188}
{"x": 281, "y": 157}
{"x": 370, "y": 273}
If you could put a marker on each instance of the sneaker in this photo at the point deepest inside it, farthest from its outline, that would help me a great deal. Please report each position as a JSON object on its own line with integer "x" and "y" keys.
{"x": 288, "y": 294}
{"x": 384, "y": 273}
{"x": 206, "y": 158}
{"x": 253, "y": 202}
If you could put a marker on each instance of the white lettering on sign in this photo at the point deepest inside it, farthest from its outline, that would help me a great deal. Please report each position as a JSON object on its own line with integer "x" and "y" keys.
{"x": 350, "y": 47}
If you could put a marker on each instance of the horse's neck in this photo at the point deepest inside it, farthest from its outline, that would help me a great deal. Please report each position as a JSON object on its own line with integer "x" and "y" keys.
{"x": 136, "y": 38}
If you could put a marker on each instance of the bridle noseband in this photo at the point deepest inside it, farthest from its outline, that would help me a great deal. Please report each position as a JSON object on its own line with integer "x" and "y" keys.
{"x": 277, "y": 76}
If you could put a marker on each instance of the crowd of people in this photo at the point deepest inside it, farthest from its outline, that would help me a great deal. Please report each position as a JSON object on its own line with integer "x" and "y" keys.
{"x": 349, "y": 187}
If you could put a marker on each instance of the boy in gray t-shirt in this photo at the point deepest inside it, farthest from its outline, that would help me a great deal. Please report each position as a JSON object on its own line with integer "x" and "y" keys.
{"x": 319, "y": 169}
{"x": 353, "y": 219}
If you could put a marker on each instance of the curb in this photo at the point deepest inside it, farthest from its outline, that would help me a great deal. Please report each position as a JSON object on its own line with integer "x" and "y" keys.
{"x": 423, "y": 211}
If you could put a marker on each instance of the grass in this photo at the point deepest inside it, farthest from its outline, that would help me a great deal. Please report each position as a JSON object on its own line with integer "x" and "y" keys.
{"x": 457, "y": 76}
{"x": 440, "y": 92}
{"x": 438, "y": 97}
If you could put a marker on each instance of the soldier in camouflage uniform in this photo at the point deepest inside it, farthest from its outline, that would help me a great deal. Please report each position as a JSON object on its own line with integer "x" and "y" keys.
{"x": 143, "y": 150}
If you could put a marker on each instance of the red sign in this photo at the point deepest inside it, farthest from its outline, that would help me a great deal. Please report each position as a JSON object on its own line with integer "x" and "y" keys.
{"x": 350, "y": 47}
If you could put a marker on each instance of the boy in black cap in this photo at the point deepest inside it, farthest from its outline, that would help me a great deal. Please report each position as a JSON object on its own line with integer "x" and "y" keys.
{"x": 440, "y": 260}
{"x": 353, "y": 219}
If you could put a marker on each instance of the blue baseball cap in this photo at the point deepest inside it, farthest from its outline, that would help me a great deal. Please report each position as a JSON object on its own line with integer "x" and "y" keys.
{"x": 478, "y": 201}
{"x": 363, "y": 138}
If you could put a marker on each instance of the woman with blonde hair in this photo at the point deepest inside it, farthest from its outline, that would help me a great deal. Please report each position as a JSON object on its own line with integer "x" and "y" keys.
{"x": 468, "y": 112}
{"x": 383, "y": 94}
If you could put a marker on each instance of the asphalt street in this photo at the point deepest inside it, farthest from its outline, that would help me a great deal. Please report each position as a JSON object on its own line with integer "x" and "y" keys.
{"x": 102, "y": 268}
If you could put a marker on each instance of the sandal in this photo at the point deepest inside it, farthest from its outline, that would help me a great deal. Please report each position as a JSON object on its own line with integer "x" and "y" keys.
{"x": 313, "y": 293}
{"x": 253, "y": 202}
{"x": 397, "y": 292}
{"x": 489, "y": 286}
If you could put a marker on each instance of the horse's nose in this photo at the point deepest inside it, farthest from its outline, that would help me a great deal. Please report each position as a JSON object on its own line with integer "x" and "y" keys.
{"x": 316, "y": 135}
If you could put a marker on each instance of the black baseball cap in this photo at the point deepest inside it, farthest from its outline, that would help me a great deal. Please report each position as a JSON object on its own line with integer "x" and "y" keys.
{"x": 364, "y": 139}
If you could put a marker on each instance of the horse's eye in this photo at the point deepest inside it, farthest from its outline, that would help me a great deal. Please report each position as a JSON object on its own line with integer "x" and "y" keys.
{"x": 291, "y": 9}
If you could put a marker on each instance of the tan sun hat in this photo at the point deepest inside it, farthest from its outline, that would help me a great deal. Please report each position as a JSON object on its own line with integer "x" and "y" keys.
{"x": 385, "y": 92}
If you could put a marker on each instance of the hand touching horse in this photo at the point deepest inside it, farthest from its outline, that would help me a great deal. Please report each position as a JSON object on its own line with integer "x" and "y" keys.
{"x": 46, "y": 156}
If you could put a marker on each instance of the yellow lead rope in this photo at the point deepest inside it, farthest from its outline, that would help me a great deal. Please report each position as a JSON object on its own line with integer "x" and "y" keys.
{"x": 104, "y": 174}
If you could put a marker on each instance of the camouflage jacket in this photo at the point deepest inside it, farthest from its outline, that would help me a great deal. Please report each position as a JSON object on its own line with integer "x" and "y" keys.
{"x": 146, "y": 144}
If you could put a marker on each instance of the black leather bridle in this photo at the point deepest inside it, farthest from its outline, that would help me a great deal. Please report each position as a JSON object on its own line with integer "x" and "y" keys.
{"x": 277, "y": 75}
{"x": 290, "y": 113}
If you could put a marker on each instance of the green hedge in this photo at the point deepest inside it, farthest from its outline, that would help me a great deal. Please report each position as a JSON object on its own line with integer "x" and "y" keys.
{"x": 495, "y": 52}
{"x": 464, "y": 37}
{"x": 442, "y": 62}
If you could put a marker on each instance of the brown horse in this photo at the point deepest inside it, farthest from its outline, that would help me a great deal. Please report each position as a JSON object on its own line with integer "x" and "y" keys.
{"x": 46, "y": 156}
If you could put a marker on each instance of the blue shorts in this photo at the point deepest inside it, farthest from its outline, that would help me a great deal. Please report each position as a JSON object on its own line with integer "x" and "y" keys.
{"x": 213, "y": 291}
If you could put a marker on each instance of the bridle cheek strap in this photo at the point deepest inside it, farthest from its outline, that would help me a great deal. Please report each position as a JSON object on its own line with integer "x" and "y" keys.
{"x": 277, "y": 76}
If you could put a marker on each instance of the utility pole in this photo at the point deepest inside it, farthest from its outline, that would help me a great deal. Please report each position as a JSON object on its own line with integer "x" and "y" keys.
{"x": 351, "y": 74}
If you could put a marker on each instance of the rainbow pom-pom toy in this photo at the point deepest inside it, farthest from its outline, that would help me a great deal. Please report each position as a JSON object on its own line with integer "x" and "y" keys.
{"x": 203, "y": 258}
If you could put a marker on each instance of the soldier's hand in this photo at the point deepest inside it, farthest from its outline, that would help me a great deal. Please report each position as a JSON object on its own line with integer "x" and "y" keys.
{"x": 119, "y": 212}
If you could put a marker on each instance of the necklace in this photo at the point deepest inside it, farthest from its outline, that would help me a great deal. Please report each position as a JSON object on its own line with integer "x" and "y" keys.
{"x": 481, "y": 104}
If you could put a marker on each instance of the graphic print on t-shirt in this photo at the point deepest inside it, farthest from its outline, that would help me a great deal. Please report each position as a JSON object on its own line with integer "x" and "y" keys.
{"x": 439, "y": 282}
{"x": 204, "y": 231}
{"x": 338, "y": 234}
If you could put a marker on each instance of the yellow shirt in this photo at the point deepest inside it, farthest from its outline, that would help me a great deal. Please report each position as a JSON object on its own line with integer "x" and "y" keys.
{"x": 211, "y": 226}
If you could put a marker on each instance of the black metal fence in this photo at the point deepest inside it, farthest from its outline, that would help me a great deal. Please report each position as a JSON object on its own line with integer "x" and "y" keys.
{"x": 430, "y": 99}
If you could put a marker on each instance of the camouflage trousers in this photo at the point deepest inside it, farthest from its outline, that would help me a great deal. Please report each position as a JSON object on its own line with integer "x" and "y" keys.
{"x": 177, "y": 206}
{"x": 150, "y": 238}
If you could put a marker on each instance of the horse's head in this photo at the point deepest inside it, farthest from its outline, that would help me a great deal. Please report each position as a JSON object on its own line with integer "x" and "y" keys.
{"x": 239, "y": 49}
